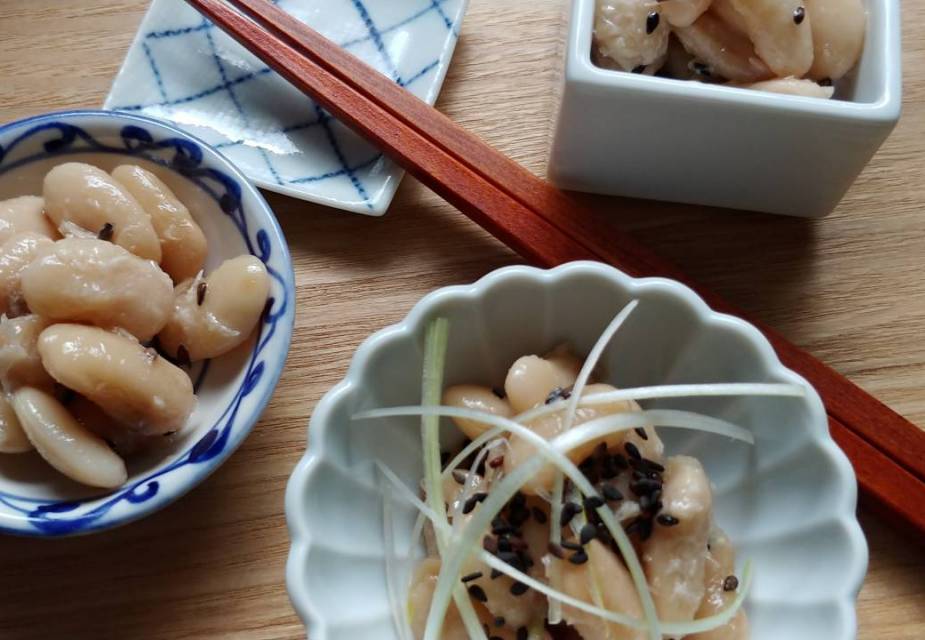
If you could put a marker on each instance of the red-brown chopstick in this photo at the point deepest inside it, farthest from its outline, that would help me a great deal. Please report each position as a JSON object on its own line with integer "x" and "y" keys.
{"x": 544, "y": 225}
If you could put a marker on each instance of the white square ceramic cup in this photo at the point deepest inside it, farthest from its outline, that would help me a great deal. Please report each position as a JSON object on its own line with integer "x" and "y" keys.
{"x": 632, "y": 135}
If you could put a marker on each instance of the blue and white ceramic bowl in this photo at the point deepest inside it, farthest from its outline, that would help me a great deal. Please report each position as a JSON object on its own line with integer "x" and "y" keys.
{"x": 232, "y": 390}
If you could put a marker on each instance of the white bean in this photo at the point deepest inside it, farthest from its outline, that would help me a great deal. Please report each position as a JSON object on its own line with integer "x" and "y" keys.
{"x": 20, "y": 362}
{"x": 720, "y": 564}
{"x": 726, "y": 52}
{"x": 475, "y": 398}
{"x": 12, "y": 438}
{"x": 97, "y": 282}
{"x": 623, "y": 33}
{"x": 183, "y": 245}
{"x": 782, "y": 33}
{"x": 89, "y": 198}
{"x": 793, "y": 87}
{"x": 15, "y": 255}
{"x": 674, "y": 556}
{"x": 683, "y": 13}
{"x": 605, "y": 577}
{"x": 22, "y": 214}
{"x": 129, "y": 382}
{"x": 531, "y": 378}
{"x": 64, "y": 443}
{"x": 212, "y": 316}
{"x": 839, "y": 28}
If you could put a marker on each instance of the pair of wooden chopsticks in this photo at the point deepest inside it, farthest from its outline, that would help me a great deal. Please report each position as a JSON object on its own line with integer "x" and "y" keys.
{"x": 547, "y": 226}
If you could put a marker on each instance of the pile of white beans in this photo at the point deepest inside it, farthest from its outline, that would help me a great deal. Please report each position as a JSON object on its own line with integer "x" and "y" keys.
{"x": 96, "y": 276}
{"x": 795, "y": 47}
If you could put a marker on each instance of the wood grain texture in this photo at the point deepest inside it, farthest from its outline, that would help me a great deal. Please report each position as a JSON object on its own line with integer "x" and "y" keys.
{"x": 848, "y": 288}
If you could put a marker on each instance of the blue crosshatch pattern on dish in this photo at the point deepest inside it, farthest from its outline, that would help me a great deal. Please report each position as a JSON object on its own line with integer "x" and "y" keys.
{"x": 227, "y": 102}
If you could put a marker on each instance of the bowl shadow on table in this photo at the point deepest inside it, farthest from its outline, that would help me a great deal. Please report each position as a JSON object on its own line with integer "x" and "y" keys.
{"x": 144, "y": 576}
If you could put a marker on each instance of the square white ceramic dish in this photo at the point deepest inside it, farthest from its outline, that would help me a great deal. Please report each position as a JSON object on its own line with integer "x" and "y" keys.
{"x": 641, "y": 136}
{"x": 183, "y": 69}
{"x": 788, "y": 503}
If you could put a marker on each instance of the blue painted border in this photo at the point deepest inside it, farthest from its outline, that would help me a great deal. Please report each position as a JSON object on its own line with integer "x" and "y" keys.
{"x": 196, "y": 161}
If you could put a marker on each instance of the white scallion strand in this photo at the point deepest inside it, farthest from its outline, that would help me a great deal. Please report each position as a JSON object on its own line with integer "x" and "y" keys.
{"x": 668, "y": 628}
{"x": 435, "y": 344}
{"x": 571, "y": 407}
{"x": 659, "y": 392}
{"x": 391, "y": 581}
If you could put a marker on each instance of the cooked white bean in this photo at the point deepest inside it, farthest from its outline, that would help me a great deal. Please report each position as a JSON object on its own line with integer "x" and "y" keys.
{"x": 674, "y": 556}
{"x": 212, "y": 316}
{"x": 724, "y": 10}
{"x": 129, "y": 382}
{"x": 475, "y": 398}
{"x": 781, "y": 32}
{"x": 624, "y": 33}
{"x": 839, "y": 28}
{"x": 22, "y": 214}
{"x": 531, "y": 378}
{"x": 20, "y": 362}
{"x": 682, "y": 13}
{"x": 15, "y": 255}
{"x": 64, "y": 443}
{"x": 90, "y": 198}
{"x": 183, "y": 245}
{"x": 605, "y": 578}
{"x": 793, "y": 87}
{"x": 725, "y": 52}
{"x": 120, "y": 437}
{"x": 12, "y": 438}
{"x": 720, "y": 564}
{"x": 98, "y": 282}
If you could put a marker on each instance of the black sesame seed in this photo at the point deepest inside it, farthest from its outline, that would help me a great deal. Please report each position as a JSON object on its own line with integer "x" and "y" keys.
{"x": 472, "y": 576}
{"x": 654, "y": 466}
{"x": 183, "y": 358}
{"x": 639, "y": 68}
{"x": 201, "y": 293}
{"x": 632, "y": 451}
{"x": 556, "y": 550}
{"x": 518, "y": 589}
{"x": 459, "y": 476}
{"x": 611, "y": 492}
{"x": 579, "y": 557}
{"x": 498, "y": 391}
{"x": 652, "y": 21}
{"x": 641, "y": 433}
{"x": 522, "y": 633}
{"x": 539, "y": 515}
{"x": 667, "y": 521}
{"x": 500, "y": 621}
{"x": 587, "y": 534}
{"x": 799, "y": 15}
{"x": 571, "y": 546}
{"x": 478, "y": 593}
{"x": 470, "y": 504}
{"x": 106, "y": 232}
{"x": 558, "y": 394}
{"x": 731, "y": 583}
{"x": 569, "y": 511}
{"x": 593, "y": 502}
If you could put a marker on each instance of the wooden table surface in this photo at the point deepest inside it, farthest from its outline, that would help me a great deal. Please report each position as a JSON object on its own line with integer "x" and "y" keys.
{"x": 849, "y": 288}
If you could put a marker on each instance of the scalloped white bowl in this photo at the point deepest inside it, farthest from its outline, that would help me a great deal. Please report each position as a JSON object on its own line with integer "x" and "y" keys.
{"x": 788, "y": 502}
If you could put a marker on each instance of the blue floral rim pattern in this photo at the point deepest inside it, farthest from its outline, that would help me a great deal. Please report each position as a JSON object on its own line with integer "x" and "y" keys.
{"x": 183, "y": 154}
